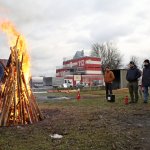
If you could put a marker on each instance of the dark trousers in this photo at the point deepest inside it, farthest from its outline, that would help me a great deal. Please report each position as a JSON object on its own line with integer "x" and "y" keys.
{"x": 133, "y": 90}
{"x": 146, "y": 94}
{"x": 108, "y": 87}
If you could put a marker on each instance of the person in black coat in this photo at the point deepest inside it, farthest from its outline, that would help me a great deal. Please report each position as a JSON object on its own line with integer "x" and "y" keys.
{"x": 1, "y": 71}
{"x": 1, "y": 76}
{"x": 132, "y": 76}
{"x": 146, "y": 79}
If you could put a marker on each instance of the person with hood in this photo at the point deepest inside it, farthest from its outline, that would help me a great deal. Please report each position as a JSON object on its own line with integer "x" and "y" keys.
{"x": 132, "y": 76}
{"x": 146, "y": 79}
{"x": 108, "y": 78}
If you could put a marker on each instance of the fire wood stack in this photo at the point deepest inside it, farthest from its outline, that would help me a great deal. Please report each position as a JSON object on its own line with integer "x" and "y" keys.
{"x": 18, "y": 104}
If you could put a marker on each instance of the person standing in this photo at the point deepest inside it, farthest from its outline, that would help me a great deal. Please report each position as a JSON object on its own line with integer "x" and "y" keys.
{"x": 1, "y": 71}
{"x": 133, "y": 73}
{"x": 146, "y": 79}
{"x": 108, "y": 78}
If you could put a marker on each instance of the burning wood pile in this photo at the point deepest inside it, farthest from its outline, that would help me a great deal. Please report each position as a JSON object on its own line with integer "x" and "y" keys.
{"x": 18, "y": 104}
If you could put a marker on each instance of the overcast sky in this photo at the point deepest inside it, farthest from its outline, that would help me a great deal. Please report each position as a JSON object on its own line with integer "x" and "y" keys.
{"x": 55, "y": 29}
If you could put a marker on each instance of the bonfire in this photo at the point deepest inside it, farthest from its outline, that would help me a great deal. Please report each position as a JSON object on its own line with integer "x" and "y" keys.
{"x": 18, "y": 104}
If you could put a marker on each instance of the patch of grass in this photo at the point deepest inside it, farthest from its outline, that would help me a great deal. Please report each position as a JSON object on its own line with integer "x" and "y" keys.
{"x": 89, "y": 124}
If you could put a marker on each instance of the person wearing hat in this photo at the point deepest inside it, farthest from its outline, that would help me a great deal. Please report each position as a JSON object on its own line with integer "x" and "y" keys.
{"x": 146, "y": 79}
{"x": 108, "y": 78}
{"x": 132, "y": 76}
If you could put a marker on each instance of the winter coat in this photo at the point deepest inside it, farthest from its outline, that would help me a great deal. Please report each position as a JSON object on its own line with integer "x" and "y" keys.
{"x": 1, "y": 71}
{"x": 133, "y": 74}
{"x": 109, "y": 76}
{"x": 146, "y": 76}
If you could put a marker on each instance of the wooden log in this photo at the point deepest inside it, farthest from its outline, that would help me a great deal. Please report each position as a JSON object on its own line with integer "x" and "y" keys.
{"x": 35, "y": 111}
{"x": 37, "y": 108}
{"x": 28, "y": 112}
{"x": 19, "y": 85}
{"x": 4, "y": 115}
{"x": 15, "y": 98}
{"x": 26, "y": 91}
{"x": 5, "y": 101}
{"x": 24, "y": 99}
{"x": 22, "y": 109}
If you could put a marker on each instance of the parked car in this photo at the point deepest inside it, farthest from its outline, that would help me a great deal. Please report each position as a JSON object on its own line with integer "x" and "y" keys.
{"x": 97, "y": 83}
{"x": 81, "y": 85}
{"x": 67, "y": 84}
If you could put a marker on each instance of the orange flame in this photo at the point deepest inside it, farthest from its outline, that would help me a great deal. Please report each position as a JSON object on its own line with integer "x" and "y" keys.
{"x": 12, "y": 35}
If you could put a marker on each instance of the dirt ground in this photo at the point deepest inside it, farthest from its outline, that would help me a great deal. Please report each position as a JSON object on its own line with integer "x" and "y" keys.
{"x": 122, "y": 129}
{"x": 106, "y": 125}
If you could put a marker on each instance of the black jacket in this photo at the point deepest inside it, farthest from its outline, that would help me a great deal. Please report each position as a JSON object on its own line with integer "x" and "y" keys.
{"x": 146, "y": 76}
{"x": 133, "y": 74}
{"x": 1, "y": 71}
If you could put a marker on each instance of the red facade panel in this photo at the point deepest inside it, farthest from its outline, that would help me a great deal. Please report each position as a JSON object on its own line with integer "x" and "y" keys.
{"x": 88, "y": 67}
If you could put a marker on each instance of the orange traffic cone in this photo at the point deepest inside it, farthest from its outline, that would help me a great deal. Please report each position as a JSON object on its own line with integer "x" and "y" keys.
{"x": 126, "y": 100}
{"x": 78, "y": 95}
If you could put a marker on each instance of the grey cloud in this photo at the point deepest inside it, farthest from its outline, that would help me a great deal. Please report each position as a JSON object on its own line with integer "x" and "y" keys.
{"x": 108, "y": 6}
{"x": 55, "y": 29}
{"x": 111, "y": 32}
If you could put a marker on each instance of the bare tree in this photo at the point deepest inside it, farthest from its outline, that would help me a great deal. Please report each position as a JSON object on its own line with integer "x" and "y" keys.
{"x": 135, "y": 60}
{"x": 109, "y": 54}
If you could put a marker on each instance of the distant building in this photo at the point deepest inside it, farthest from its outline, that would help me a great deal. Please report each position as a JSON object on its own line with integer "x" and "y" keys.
{"x": 36, "y": 82}
{"x": 79, "y": 54}
{"x": 120, "y": 78}
{"x": 81, "y": 68}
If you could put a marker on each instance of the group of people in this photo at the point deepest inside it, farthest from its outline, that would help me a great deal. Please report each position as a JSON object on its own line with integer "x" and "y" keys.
{"x": 133, "y": 77}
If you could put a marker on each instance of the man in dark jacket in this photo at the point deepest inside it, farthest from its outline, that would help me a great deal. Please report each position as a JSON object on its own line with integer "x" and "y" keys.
{"x": 132, "y": 76}
{"x": 146, "y": 79}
